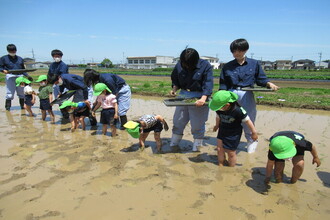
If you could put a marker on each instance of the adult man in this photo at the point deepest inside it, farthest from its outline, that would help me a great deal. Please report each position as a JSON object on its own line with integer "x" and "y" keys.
{"x": 13, "y": 62}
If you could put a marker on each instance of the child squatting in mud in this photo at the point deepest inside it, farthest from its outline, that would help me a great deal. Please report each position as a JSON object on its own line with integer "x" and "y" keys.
{"x": 141, "y": 128}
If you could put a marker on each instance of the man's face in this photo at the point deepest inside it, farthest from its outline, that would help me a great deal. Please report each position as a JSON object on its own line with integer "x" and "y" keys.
{"x": 238, "y": 55}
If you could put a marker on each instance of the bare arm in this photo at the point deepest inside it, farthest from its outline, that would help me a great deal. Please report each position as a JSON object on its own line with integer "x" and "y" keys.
{"x": 269, "y": 170}
{"x": 116, "y": 111}
{"x": 316, "y": 159}
{"x": 217, "y": 123}
{"x": 252, "y": 129}
{"x": 160, "y": 118}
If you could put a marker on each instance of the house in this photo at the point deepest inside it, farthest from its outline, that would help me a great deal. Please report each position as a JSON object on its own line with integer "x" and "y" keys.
{"x": 283, "y": 64}
{"x": 267, "y": 65}
{"x": 214, "y": 61}
{"x": 305, "y": 64}
{"x": 322, "y": 65}
{"x": 151, "y": 62}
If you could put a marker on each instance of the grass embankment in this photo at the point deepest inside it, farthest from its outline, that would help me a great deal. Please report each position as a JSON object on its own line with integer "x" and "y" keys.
{"x": 291, "y": 95}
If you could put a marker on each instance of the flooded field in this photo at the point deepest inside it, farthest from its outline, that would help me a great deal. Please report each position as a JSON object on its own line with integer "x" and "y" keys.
{"x": 47, "y": 172}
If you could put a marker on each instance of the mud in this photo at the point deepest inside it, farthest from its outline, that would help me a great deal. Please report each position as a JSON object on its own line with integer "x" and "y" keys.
{"x": 47, "y": 172}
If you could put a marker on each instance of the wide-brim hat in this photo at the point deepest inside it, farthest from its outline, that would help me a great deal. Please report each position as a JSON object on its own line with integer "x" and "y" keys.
{"x": 133, "y": 128}
{"x": 68, "y": 103}
{"x": 221, "y": 98}
{"x": 99, "y": 88}
{"x": 282, "y": 147}
{"x": 41, "y": 78}
{"x": 21, "y": 79}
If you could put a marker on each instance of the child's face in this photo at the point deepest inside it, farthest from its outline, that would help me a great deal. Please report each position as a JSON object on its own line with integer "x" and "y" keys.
{"x": 225, "y": 108}
{"x": 22, "y": 84}
{"x": 43, "y": 83}
{"x": 70, "y": 109}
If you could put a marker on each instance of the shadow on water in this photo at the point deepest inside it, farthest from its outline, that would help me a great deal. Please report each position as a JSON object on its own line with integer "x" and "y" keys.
{"x": 324, "y": 177}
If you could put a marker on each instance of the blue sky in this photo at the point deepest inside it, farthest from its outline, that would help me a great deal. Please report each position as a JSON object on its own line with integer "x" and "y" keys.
{"x": 93, "y": 30}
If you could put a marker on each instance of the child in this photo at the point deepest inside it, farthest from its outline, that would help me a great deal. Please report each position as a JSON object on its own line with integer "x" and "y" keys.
{"x": 288, "y": 145}
{"x": 30, "y": 96}
{"x": 142, "y": 127}
{"x": 229, "y": 118}
{"x": 78, "y": 112}
{"x": 109, "y": 112}
{"x": 46, "y": 97}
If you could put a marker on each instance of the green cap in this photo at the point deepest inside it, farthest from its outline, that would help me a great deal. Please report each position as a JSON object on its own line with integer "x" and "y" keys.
{"x": 41, "y": 78}
{"x": 68, "y": 103}
{"x": 133, "y": 128}
{"x": 221, "y": 98}
{"x": 282, "y": 147}
{"x": 99, "y": 88}
{"x": 21, "y": 79}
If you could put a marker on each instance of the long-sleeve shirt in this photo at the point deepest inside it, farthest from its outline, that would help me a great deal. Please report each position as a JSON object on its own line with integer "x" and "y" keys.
{"x": 234, "y": 75}
{"x": 58, "y": 68}
{"x": 74, "y": 82}
{"x": 8, "y": 62}
{"x": 113, "y": 82}
{"x": 201, "y": 79}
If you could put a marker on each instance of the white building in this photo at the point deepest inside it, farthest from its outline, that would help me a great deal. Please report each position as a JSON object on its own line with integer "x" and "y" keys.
{"x": 150, "y": 62}
{"x": 214, "y": 61}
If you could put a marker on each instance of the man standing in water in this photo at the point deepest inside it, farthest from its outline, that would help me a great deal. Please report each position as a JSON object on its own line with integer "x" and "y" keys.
{"x": 13, "y": 62}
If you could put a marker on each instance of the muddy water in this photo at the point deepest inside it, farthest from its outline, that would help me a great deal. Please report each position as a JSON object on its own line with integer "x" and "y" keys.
{"x": 47, "y": 172}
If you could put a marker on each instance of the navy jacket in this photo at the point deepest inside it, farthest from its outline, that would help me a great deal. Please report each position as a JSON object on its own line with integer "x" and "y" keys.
{"x": 74, "y": 82}
{"x": 234, "y": 75}
{"x": 200, "y": 80}
{"x": 58, "y": 68}
{"x": 12, "y": 63}
{"x": 113, "y": 82}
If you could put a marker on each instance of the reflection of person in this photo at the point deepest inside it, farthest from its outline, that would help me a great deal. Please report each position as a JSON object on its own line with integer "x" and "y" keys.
{"x": 78, "y": 111}
{"x": 29, "y": 94}
{"x": 244, "y": 72}
{"x": 45, "y": 97}
{"x": 109, "y": 112}
{"x": 13, "y": 62}
{"x": 194, "y": 78}
{"x": 142, "y": 127}
{"x": 228, "y": 123}
{"x": 58, "y": 67}
{"x": 288, "y": 145}
{"x": 118, "y": 87}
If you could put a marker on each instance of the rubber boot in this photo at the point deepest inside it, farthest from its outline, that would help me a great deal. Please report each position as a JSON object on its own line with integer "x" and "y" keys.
{"x": 197, "y": 143}
{"x": 123, "y": 120}
{"x": 21, "y": 103}
{"x": 8, "y": 104}
{"x": 175, "y": 140}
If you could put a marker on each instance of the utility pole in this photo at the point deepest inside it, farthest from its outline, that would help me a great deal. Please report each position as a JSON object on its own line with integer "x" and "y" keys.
{"x": 32, "y": 53}
{"x": 320, "y": 60}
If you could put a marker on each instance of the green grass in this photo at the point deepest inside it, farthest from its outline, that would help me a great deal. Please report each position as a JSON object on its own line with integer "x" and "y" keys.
{"x": 311, "y": 98}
